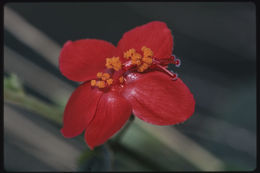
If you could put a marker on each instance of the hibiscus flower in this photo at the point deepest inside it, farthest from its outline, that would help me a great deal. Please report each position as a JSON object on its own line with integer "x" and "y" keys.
{"x": 131, "y": 78}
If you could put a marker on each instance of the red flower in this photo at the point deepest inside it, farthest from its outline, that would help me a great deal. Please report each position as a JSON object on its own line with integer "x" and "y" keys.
{"x": 118, "y": 81}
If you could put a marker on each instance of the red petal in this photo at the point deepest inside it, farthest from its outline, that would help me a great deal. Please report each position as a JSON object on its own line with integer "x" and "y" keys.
{"x": 156, "y": 99}
{"x": 112, "y": 112}
{"x": 81, "y": 60}
{"x": 80, "y": 110}
{"x": 154, "y": 35}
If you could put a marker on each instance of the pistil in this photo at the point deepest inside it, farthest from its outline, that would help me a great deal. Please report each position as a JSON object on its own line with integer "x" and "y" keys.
{"x": 173, "y": 75}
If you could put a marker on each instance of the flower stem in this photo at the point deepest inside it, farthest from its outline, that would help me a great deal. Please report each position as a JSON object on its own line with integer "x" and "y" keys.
{"x": 123, "y": 131}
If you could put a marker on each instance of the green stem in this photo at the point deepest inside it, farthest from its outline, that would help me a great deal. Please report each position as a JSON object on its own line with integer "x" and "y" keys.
{"x": 125, "y": 128}
{"x": 138, "y": 157}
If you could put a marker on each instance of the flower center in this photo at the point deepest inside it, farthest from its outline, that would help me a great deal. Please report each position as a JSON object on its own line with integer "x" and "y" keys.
{"x": 142, "y": 62}
{"x": 136, "y": 62}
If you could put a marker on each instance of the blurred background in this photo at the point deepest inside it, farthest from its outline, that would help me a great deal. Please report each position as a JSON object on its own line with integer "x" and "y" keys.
{"x": 216, "y": 43}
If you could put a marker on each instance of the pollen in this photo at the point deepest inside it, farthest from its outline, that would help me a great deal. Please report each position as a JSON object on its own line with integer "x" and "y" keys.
{"x": 147, "y": 60}
{"x": 113, "y": 63}
{"x": 136, "y": 56}
{"x": 128, "y": 54}
{"x": 121, "y": 79}
{"x": 101, "y": 84}
{"x": 142, "y": 62}
{"x": 147, "y": 52}
{"x": 109, "y": 81}
{"x": 103, "y": 81}
{"x": 143, "y": 67}
{"x": 137, "y": 61}
{"x": 93, "y": 82}
{"x": 109, "y": 63}
{"x": 105, "y": 76}
{"x": 99, "y": 74}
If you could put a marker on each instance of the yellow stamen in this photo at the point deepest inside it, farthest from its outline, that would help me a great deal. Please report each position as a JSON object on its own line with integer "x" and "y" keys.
{"x": 99, "y": 74}
{"x": 128, "y": 54}
{"x": 147, "y": 60}
{"x": 121, "y": 79}
{"x": 101, "y": 84}
{"x": 147, "y": 52}
{"x": 142, "y": 62}
{"x": 137, "y": 62}
{"x": 143, "y": 67}
{"x": 109, "y": 81}
{"x": 136, "y": 56}
{"x": 93, "y": 82}
{"x": 105, "y": 76}
{"x": 108, "y": 63}
{"x": 114, "y": 63}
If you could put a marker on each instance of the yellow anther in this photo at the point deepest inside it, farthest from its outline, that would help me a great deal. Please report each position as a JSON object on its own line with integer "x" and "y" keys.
{"x": 147, "y": 52}
{"x": 143, "y": 48}
{"x": 121, "y": 79}
{"x": 140, "y": 69}
{"x": 137, "y": 62}
{"x": 147, "y": 60}
{"x": 114, "y": 63}
{"x": 105, "y": 76}
{"x": 128, "y": 54}
{"x": 143, "y": 67}
{"x": 117, "y": 67}
{"x": 143, "y": 62}
{"x": 136, "y": 56}
{"x": 109, "y": 63}
{"x": 101, "y": 84}
{"x": 93, "y": 82}
{"x": 109, "y": 81}
{"x": 99, "y": 74}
